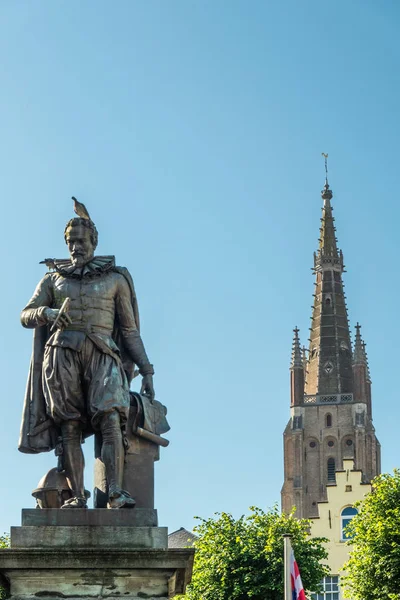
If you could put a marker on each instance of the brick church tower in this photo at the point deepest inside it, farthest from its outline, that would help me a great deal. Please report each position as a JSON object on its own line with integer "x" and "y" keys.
{"x": 330, "y": 405}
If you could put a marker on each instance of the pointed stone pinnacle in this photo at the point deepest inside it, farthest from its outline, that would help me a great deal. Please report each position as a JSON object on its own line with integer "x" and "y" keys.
{"x": 366, "y": 361}
{"x": 297, "y": 358}
{"x": 359, "y": 355}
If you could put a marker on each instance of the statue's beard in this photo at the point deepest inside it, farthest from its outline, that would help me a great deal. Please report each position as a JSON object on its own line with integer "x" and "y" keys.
{"x": 81, "y": 259}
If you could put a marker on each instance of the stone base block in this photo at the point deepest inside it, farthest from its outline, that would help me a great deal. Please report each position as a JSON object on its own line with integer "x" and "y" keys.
{"x": 133, "y": 517}
{"x": 83, "y": 573}
{"x": 89, "y": 537}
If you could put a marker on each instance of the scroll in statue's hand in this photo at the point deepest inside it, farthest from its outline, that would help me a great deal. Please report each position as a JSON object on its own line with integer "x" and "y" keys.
{"x": 147, "y": 386}
{"x": 51, "y": 315}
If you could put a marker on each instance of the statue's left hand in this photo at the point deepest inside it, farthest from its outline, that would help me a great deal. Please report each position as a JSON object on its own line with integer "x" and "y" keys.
{"x": 147, "y": 386}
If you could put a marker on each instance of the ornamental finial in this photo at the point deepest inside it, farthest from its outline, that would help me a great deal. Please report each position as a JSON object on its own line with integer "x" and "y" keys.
{"x": 326, "y": 166}
{"x": 326, "y": 192}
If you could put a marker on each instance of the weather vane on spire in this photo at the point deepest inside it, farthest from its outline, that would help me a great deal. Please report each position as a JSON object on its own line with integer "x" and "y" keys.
{"x": 326, "y": 166}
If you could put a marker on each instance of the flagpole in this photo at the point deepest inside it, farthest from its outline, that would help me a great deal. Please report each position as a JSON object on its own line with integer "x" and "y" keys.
{"x": 286, "y": 549}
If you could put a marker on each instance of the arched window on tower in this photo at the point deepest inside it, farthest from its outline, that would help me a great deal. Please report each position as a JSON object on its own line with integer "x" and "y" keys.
{"x": 331, "y": 470}
{"x": 346, "y": 516}
{"x": 328, "y": 420}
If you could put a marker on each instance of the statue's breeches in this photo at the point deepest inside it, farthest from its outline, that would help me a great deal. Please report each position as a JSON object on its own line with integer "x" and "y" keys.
{"x": 83, "y": 385}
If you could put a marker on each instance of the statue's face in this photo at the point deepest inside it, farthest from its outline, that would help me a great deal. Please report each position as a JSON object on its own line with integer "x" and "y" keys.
{"x": 79, "y": 245}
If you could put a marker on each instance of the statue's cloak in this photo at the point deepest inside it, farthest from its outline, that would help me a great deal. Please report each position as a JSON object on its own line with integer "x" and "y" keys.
{"x": 38, "y": 431}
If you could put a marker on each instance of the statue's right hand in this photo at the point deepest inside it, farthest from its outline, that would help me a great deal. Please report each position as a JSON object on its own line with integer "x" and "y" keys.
{"x": 51, "y": 315}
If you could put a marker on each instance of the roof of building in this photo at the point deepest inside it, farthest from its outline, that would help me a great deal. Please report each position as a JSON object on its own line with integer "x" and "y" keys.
{"x": 182, "y": 538}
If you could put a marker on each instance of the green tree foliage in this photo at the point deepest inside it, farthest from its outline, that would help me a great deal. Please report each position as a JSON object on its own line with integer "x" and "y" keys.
{"x": 243, "y": 558}
{"x": 374, "y": 564}
{"x": 4, "y": 543}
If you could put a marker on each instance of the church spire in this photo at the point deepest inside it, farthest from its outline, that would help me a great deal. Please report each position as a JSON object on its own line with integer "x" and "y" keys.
{"x": 330, "y": 358}
{"x": 330, "y": 410}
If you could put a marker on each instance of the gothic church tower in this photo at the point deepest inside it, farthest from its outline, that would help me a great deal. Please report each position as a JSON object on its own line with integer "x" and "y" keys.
{"x": 330, "y": 407}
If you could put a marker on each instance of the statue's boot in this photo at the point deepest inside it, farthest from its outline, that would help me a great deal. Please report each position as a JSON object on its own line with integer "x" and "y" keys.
{"x": 73, "y": 463}
{"x": 75, "y": 503}
{"x": 113, "y": 457}
{"x": 121, "y": 499}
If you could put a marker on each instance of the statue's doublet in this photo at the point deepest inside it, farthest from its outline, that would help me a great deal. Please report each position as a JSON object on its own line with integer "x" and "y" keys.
{"x": 103, "y": 309}
{"x": 96, "y": 299}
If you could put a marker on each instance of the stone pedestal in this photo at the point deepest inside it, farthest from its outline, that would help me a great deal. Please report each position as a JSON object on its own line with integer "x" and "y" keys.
{"x": 132, "y": 517}
{"x": 93, "y": 553}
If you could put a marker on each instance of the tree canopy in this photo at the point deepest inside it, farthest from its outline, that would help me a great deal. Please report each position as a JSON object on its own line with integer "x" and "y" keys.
{"x": 4, "y": 543}
{"x": 243, "y": 558}
{"x": 374, "y": 564}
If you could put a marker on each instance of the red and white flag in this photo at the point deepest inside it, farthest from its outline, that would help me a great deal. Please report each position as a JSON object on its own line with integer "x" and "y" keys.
{"x": 297, "y": 586}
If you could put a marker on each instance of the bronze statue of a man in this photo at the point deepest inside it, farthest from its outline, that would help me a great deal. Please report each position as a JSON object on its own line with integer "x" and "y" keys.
{"x": 80, "y": 374}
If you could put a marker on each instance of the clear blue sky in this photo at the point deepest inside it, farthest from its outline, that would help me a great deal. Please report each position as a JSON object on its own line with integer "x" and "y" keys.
{"x": 193, "y": 131}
